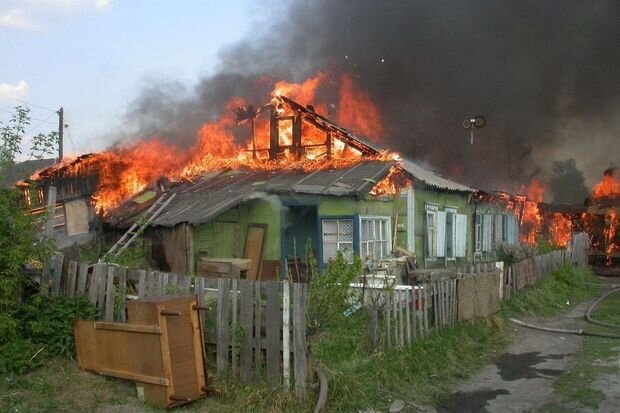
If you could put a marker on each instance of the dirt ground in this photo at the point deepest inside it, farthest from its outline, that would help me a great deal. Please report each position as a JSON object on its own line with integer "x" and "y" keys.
{"x": 521, "y": 379}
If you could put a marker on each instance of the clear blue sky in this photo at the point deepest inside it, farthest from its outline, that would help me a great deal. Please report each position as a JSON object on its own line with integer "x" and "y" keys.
{"x": 93, "y": 56}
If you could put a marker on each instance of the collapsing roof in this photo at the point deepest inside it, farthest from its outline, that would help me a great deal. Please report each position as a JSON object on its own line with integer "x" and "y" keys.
{"x": 214, "y": 193}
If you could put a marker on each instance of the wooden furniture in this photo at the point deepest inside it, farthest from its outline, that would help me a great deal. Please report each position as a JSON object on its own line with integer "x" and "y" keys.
{"x": 161, "y": 348}
{"x": 223, "y": 267}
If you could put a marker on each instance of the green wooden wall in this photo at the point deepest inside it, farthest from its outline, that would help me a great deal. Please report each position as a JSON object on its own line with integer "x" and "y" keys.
{"x": 459, "y": 200}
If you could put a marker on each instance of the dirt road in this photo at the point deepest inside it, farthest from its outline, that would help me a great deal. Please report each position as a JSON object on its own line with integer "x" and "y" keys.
{"x": 521, "y": 380}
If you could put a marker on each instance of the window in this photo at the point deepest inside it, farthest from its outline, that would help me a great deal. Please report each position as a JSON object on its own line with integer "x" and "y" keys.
{"x": 478, "y": 228}
{"x": 431, "y": 233}
{"x": 337, "y": 235}
{"x": 375, "y": 238}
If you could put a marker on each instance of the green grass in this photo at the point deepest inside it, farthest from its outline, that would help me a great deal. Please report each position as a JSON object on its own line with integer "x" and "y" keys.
{"x": 358, "y": 379}
{"x": 556, "y": 293}
{"x": 596, "y": 357}
{"x": 60, "y": 387}
{"x": 421, "y": 373}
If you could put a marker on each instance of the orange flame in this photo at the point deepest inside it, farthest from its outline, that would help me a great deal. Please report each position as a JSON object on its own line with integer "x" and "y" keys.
{"x": 127, "y": 170}
{"x": 357, "y": 112}
{"x": 560, "y": 230}
{"x": 609, "y": 187}
{"x": 531, "y": 219}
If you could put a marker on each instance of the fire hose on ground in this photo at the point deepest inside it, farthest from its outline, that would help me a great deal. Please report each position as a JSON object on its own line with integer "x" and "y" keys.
{"x": 322, "y": 400}
{"x": 579, "y": 332}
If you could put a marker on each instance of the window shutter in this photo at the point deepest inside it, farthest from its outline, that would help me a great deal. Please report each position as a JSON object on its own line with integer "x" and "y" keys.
{"x": 487, "y": 232}
{"x": 513, "y": 229}
{"x": 461, "y": 235}
{"x": 441, "y": 234}
{"x": 498, "y": 228}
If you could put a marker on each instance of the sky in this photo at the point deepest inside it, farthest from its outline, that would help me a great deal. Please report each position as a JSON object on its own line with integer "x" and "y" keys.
{"x": 93, "y": 56}
{"x": 544, "y": 74}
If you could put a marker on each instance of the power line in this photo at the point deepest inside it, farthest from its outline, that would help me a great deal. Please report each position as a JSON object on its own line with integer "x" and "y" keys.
{"x": 28, "y": 103}
{"x": 31, "y": 118}
{"x": 40, "y": 123}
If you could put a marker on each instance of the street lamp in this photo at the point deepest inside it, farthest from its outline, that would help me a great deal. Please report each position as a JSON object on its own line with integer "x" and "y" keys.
{"x": 474, "y": 122}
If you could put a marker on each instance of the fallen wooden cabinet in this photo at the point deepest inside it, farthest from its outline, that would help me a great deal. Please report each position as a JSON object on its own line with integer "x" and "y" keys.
{"x": 161, "y": 348}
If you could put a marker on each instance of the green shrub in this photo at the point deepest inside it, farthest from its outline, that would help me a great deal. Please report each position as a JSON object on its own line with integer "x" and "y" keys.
{"x": 49, "y": 321}
{"x": 39, "y": 328}
{"x": 329, "y": 292}
{"x": 21, "y": 355}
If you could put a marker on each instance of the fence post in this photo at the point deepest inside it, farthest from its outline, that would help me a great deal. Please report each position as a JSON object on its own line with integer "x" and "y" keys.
{"x": 299, "y": 338}
{"x": 222, "y": 324}
{"x": 57, "y": 274}
{"x": 286, "y": 325}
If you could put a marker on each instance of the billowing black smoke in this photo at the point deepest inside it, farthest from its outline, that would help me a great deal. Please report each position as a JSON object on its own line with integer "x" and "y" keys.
{"x": 543, "y": 73}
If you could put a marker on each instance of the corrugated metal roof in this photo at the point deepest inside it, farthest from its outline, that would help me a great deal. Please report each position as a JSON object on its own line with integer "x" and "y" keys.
{"x": 212, "y": 194}
{"x": 431, "y": 178}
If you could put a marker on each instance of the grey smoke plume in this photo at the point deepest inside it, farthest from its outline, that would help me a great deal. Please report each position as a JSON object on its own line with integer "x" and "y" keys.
{"x": 543, "y": 73}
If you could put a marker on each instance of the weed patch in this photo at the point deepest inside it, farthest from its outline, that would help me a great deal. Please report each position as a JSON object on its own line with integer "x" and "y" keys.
{"x": 556, "y": 293}
{"x": 422, "y": 372}
{"x": 596, "y": 357}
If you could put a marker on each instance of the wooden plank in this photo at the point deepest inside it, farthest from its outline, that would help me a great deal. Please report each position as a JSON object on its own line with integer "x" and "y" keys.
{"x": 82, "y": 278}
{"x": 395, "y": 317}
{"x": 160, "y": 283}
{"x": 273, "y": 323}
{"x": 388, "y": 318}
{"x": 101, "y": 269}
{"x": 165, "y": 284}
{"x": 173, "y": 279}
{"x": 253, "y": 249}
{"x": 223, "y": 292}
{"x": 71, "y": 278}
{"x": 440, "y": 304}
{"x": 414, "y": 310}
{"x": 407, "y": 294}
{"x": 455, "y": 302}
{"x": 257, "y": 329}
{"x": 401, "y": 319}
{"x": 135, "y": 328}
{"x": 426, "y": 306}
{"x": 141, "y": 284}
{"x": 110, "y": 295}
{"x": 122, "y": 294}
{"x": 286, "y": 325}
{"x": 246, "y": 321}
{"x": 57, "y": 274}
{"x": 93, "y": 284}
{"x": 434, "y": 298}
{"x": 299, "y": 338}
{"x": 234, "y": 299}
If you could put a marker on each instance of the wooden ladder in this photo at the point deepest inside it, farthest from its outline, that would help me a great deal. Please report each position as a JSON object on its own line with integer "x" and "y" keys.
{"x": 139, "y": 226}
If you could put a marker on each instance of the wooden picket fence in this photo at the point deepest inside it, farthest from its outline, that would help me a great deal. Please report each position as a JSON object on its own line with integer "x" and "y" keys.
{"x": 257, "y": 327}
{"x": 415, "y": 312}
{"x": 530, "y": 271}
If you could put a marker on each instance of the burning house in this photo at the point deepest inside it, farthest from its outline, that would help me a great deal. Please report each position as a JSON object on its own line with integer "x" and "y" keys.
{"x": 300, "y": 182}
{"x": 602, "y": 220}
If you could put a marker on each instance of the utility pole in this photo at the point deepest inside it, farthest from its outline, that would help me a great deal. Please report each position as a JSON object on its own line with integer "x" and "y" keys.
{"x": 60, "y": 132}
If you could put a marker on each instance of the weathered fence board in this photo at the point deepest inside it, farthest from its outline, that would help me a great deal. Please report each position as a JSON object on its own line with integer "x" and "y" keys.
{"x": 273, "y": 324}
{"x": 299, "y": 338}
{"x": 246, "y": 322}
{"x": 222, "y": 325}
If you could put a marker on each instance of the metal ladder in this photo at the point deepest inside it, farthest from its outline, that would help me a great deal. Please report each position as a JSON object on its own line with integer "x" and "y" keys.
{"x": 139, "y": 226}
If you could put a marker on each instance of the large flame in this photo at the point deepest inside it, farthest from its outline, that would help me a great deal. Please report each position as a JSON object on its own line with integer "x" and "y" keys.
{"x": 126, "y": 170}
{"x": 609, "y": 187}
{"x": 531, "y": 218}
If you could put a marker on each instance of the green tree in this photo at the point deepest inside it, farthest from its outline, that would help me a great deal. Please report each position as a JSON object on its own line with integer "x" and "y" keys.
{"x": 12, "y": 135}
{"x": 18, "y": 235}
